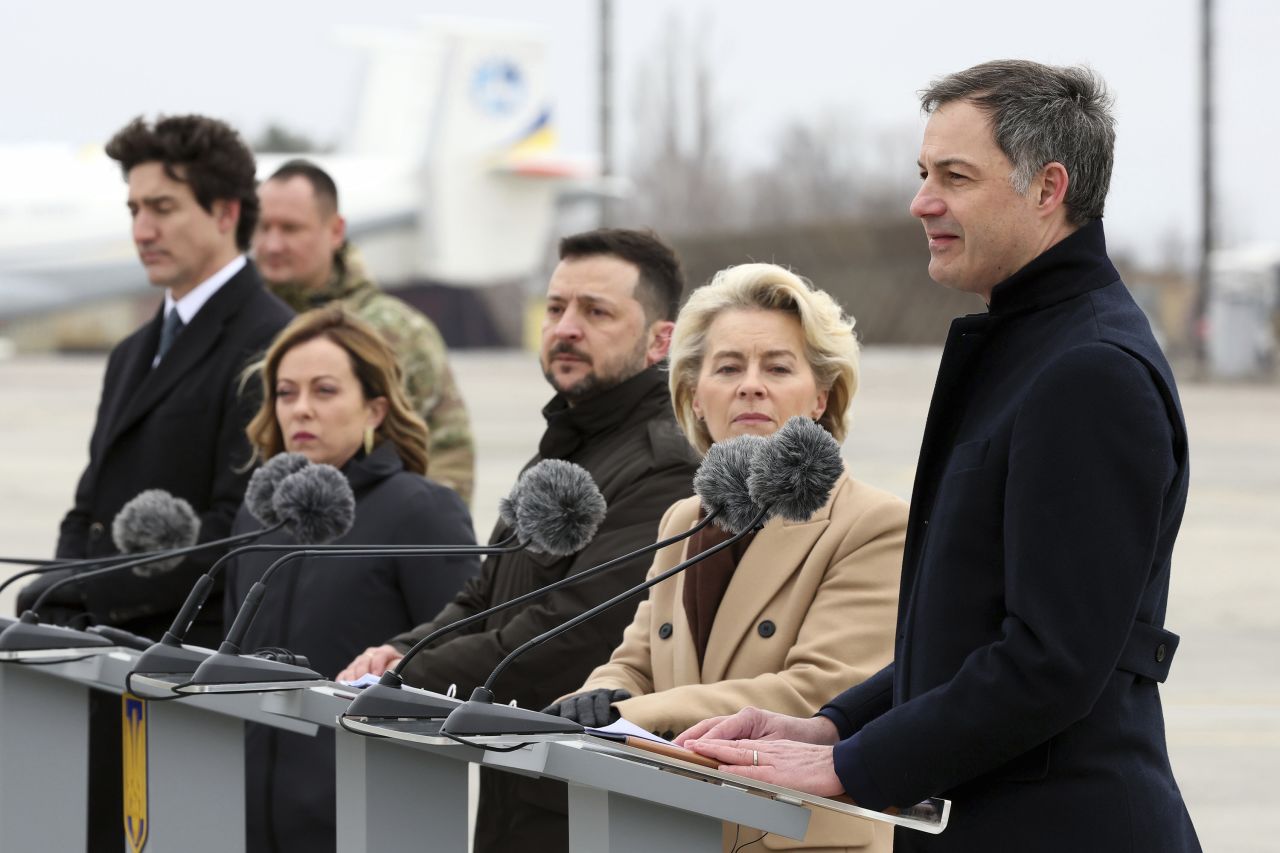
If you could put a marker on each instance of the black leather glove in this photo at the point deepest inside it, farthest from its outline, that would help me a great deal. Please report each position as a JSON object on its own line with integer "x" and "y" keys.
{"x": 592, "y": 709}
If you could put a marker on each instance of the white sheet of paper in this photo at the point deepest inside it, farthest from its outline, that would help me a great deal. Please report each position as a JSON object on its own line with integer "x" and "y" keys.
{"x": 626, "y": 727}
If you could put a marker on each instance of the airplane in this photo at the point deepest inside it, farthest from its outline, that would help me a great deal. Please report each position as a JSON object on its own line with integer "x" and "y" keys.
{"x": 451, "y": 175}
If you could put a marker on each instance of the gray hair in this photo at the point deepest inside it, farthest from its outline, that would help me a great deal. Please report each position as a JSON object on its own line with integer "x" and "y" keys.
{"x": 1042, "y": 114}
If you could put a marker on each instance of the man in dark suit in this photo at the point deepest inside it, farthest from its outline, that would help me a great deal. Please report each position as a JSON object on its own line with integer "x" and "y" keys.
{"x": 1050, "y": 486}
{"x": 172, "y": 414}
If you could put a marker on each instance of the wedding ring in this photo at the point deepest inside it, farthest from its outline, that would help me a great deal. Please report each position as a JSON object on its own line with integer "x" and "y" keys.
{"x": 755, "y": 758}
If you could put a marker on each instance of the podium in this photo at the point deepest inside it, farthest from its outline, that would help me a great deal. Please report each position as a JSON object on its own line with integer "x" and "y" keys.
{"x": 402, "y": 789}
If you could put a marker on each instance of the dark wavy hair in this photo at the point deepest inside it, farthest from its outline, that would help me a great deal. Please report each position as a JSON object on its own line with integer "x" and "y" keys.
{"x": 214, "y": 161}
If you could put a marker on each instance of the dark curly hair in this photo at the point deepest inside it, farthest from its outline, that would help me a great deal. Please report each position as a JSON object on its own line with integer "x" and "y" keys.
{"x": 215, "y": 161}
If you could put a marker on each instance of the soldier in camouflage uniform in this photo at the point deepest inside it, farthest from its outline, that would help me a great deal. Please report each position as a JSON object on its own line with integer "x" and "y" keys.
{"x": 301, "y": 250}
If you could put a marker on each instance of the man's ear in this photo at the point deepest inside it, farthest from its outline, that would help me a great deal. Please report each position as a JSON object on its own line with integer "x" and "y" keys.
{"x": 226, "y": 212}
{"x": 659, "y": 340}
{"x": 337, "y": 232}
{"x": 1051, "y": 188}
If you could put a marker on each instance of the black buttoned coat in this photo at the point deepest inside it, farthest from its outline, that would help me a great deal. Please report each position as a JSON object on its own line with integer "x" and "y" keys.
{"x": 179, "y": 427}
{"x": 1051, "y": 483}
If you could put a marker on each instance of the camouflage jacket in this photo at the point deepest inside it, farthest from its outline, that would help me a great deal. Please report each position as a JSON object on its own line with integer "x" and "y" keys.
{"x": 428, "y": 380}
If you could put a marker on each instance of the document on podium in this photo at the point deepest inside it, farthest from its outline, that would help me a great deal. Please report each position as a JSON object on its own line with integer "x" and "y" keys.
{"x": 628, "y": 740}
{"x": 628, "y": 733}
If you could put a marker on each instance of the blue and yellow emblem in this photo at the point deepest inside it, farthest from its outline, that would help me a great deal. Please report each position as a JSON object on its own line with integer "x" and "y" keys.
{"x": 133, "y": 719}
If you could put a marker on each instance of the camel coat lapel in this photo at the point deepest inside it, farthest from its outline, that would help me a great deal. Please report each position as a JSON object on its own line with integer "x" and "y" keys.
{"x": 779, "y": 552}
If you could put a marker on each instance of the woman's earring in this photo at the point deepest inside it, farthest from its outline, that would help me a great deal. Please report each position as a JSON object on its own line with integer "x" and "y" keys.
{"x": 368, "y": 440}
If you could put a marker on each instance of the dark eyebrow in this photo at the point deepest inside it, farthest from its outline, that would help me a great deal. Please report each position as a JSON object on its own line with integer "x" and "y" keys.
{"x": 152, "y": 200}
{"x": 948, "y": 161}
{"x": 584, "y": 298}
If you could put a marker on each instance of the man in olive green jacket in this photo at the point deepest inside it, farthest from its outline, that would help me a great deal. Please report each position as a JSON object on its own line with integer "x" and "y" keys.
{"x": 301, "y": 249}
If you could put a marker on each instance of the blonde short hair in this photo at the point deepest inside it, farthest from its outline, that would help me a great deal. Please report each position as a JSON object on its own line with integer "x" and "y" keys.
{"x": 829, "y": 341}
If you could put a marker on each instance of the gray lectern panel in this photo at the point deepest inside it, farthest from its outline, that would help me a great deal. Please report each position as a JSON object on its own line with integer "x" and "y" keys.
{"x": 396, "y": 798}
{"x": 195, "y": 779}
{"x": 44, "y": 760}
{"x": 605, "y": 822}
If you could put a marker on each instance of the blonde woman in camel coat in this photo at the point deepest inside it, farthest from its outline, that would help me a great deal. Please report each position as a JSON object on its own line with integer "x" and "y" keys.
{"x": 809, "y": 608}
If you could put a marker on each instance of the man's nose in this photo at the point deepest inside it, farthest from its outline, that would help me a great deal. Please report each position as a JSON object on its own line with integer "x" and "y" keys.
{"x": 144, "y": 228}
{"x": 567, "y": 326}
{"x": 926, "y": 203}
{"x": 268, "y": 240}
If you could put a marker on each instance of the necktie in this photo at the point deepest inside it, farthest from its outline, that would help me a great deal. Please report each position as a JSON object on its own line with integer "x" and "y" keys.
{"x": 169, "y": 332}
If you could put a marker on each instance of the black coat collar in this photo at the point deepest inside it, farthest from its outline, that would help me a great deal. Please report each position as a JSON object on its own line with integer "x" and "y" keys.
{"x": 569, "y": 427}
{"x": 1076, "y": 265}
{"x": 365, "y": 471}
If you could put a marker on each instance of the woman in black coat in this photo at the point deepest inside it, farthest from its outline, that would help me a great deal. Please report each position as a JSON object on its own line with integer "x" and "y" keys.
{"x": 332, "y": 392}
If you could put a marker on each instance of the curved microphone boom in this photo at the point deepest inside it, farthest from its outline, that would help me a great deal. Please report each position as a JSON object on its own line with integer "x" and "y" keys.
{"x": 136, "y": 526}
{"x": 773, "y": 462}
{"x": 152, "y": 523}
{"x": 721, "y": 481}
{"x": 258, "y": 497}
{"x": 557, "y": 508}
{"x": 153, "y": 520}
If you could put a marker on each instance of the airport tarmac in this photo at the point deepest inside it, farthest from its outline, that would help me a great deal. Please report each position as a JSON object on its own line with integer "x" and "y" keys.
{"x": 1222, "y": 700}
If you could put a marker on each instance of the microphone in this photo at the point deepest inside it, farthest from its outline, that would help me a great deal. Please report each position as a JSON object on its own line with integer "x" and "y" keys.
{"x": 304, "y": 511}
{"x": 126, "y": 528}
{"x": 792, "y": 476}
{"x": 136, "y": 526}
{"x": 721, "y": 481}
{"x": 132, "y": 532}
{"x": 314, "y": 502}
{"x": 798, "y": 467}
{"x": 153, "y": 521}
{"x": 260, "y": 494}
{"x": 555, "y": 505}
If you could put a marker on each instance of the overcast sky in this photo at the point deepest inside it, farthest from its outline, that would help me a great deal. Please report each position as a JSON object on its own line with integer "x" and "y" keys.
{"x": 76, "y": 71}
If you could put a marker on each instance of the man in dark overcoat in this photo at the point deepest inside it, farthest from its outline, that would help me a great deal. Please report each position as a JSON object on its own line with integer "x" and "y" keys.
{"x": 1049, "y": 490}
{"x": 172, "y": 415}
{"x": 611, "y": 304}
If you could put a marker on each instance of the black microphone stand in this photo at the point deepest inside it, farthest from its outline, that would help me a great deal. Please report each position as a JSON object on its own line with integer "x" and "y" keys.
{"x": 168, "y": 656}
{"x": 388, "y": 699}
{"x": 479, "y": 716}
{"x": 28, "y": 635}
{"x": 228, "y": 671}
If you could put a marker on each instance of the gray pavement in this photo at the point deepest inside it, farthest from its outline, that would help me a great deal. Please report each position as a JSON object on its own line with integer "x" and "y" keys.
{"x": 1222, "y": 702}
